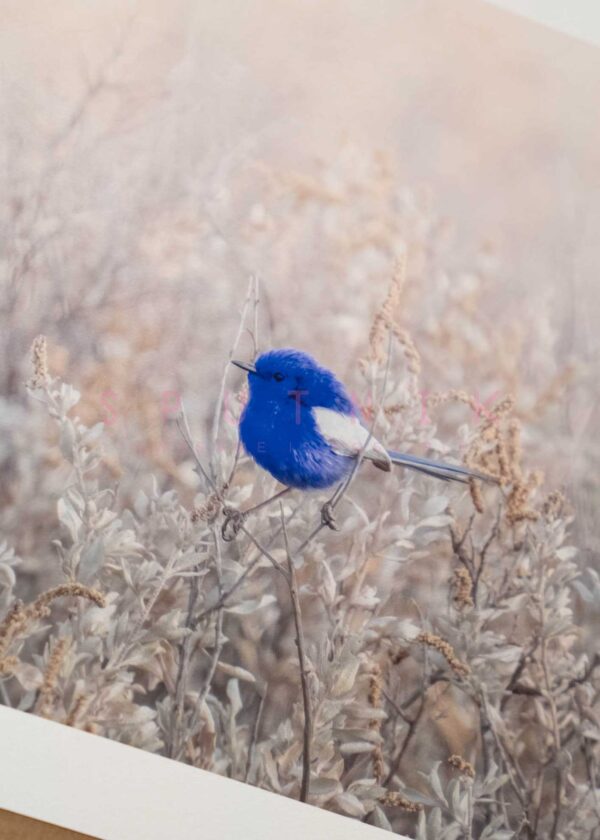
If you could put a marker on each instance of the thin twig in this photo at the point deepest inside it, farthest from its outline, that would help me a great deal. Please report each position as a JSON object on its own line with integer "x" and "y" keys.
{"x": 183, "y": 670}
{"x": 413, "y": 723}
{"x": 266, "y": 553}
{"x": 236, "y": 458}
{"x": 412, "y": 728}
{"x": 227, "y": 595}
{"x": 511, "y": 768}
{"x": 218, "y": 645}
{"x": 251, "y": 293}
{"x": 552, "y": 703}
{"x": 255, "y": 731}
{"x": 184, "y": 429}
{"x": 300, "y": 644}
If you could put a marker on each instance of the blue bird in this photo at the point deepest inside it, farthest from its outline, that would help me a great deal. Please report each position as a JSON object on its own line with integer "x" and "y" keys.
{"x": 302, "y": 427}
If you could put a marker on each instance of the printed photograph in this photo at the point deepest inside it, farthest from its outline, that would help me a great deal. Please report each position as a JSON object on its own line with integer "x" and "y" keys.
{"x": 299, "y": 405}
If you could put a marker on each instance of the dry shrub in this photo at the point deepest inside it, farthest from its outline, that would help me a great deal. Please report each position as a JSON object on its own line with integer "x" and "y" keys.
{"x": 449, "y": 664}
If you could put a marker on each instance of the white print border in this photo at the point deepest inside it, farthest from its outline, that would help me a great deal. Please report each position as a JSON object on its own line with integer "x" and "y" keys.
{"x": 576, "y": 18}
{"x": 90, "y": 784}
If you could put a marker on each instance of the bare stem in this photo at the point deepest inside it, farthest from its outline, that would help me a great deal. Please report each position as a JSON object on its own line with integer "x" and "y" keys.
{"x": 183, "y": 671}
{"x": 184, "y": 429}
{"x": 300, "y": 644}
{"x": 552, "y": 704}
{"x": 255, "y": 731}
{"x": 251, "y": 296}
{"x": 218, "y": 644}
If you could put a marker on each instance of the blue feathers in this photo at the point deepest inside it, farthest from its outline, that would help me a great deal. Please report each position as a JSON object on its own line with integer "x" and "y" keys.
{"x": 279, "y": 373}
{"x": 278, "y": 427}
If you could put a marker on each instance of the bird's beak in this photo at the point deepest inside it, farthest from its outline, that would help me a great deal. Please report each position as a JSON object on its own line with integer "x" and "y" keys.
{"x": 244, "y": 366}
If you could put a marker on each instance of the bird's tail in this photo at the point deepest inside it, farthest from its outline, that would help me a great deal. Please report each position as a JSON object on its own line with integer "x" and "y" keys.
{"x": 437, "y": 469}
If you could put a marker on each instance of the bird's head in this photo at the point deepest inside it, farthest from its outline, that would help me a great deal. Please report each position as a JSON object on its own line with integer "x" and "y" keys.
{"x": 289, "y": 374}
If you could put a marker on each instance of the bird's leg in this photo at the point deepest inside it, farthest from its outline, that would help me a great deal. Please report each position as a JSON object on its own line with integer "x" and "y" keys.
{"x": 232, "y": 522}
{"x": 327, "y": 511}
{"x": 234, "y": 519}
{"x": 328, "y": 516}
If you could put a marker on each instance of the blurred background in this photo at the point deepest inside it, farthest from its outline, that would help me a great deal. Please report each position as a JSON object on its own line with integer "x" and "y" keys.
{"x": 158, "y": 154}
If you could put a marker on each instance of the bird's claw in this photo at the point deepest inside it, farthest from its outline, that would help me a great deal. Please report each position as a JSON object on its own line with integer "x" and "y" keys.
{"x": 232, "y": 523}
{"x": 328, "y": 517}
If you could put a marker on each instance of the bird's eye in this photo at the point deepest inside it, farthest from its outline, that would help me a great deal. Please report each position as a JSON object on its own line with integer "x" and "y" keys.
{"x": 278, "y": 377}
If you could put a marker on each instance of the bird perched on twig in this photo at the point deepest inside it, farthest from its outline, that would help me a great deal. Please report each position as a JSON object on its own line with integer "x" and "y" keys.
{"x": 302, "y": 427}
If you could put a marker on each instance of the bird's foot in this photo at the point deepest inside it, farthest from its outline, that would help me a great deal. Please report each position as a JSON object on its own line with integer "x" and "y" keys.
{"x": 328, "y": 517}
{"x": 232, "y": 523}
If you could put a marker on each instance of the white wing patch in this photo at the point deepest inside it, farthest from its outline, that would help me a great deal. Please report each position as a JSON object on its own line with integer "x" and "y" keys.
{"x": 346, "y": 436}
